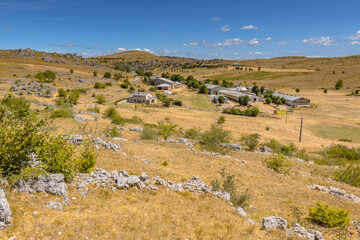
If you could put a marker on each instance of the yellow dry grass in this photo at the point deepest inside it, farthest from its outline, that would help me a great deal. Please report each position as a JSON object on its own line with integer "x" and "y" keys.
{"x": 164, "y": 214}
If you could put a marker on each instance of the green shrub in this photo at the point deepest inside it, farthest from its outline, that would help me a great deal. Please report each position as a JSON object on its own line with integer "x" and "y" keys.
{"x": 165, "y": 163}
{"x": 253, "y": 112}
{"x": 62, "y": 93}
{"x": 213, "y": 137}
{"x": 152, "y": 89}
{"x": 251, "y": 140}
{"x": 95, "y": 73}
{"x": 349, "y": 175}
{"x": 107, "y": 75}
{"x": 149, "y": 133}
{"x": 113, "y": 132}
{"x": 62, "y": 113}
{"x": 193, "y": 133}
{"x": 47, "y": 76}
{"x": 98, "y": 85}
{"x": 110, "y": 112}
{"x": 165, "y": 130}
{"x": 339, "y": 84}
{"x": 100, "y": 99}
{"x": 95, "y": 109}
{"x": 87, "y": 160}
{"x": 57, "y": 156}
{"x": 328, "y": 217}
{"x": 340, "y": 151}
{"x": 227, "y": 184}
{"x": 221, "y": 120}
{"x": 279, "y": 163}
{"x": 178, "y": 102}
{"x": 135, "y": 120}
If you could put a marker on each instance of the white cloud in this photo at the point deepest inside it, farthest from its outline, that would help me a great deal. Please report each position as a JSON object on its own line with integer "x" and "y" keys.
{"x": 91, "y": 47}
{"x": 296, "y": 51}
{"x": 256, "y": 53}
{"x": 66, "y": 45}
{"x": 253, "y": 42}
{"x": 250, "y": 27}
{"x": 225, "y": 28}
{"x": 216, "y": 19}
{"x": 355, "y": 43}
{"x": 320, "y": 41}
{"x": 282, "y": 43}
{"x": 203, "y": 42}
{"x": 268, "y": 39}
{"x": 228, "y": 42}
{"x": 355, "y": 37}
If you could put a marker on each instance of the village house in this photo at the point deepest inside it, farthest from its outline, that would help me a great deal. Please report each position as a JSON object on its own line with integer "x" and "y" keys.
{"x": 213, "y": 89}
{"x": 157, "y": 80}
{"x": 234, "y": 95}
{"x": 141, "y": 97}
{"x": 292, "y": 100}
{"x": 163, "y": 86}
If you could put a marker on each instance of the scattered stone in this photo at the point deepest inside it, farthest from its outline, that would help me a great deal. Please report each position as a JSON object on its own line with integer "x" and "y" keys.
{"x": 241, "y": 211}
{"x": 108, "y": 145}
{"x": 337, "y": 192}
{"x": 79, "y": 118}
{"x": 273, "y": 223}
{"x": 137, "y": 141}
{"x": 224, "y": 195}
{"x": 144, "y": 177}
{"x": 152, "y": 187}
{"x": 74, "y": 139}
{"x": 54, "y": 205}
{"x": 119, "y": 139}
{"x": 136, "y": 129}
{"x": 5, "y": 212}
{"x": 236, "y": 147}
{"x": 159, "y": 181}
{"x": 301, "y": 232}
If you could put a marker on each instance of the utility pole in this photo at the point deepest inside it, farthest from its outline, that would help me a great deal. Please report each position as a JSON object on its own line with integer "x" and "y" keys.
{"x": 286, "y": 116}
{"x": 301, "y": 129}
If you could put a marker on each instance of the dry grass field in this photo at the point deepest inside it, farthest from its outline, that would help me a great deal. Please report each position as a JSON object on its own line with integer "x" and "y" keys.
{"x": 164, "y": 214}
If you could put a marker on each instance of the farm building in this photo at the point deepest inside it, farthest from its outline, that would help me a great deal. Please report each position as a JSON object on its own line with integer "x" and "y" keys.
{"x": 234, "y": 95}
{"x": 163, "y": 86}
{"x": 292, "y": 100}
{"x": 141, "y": 97}
{"x": 213, "y": 89}
{"x": 155, "y": 80}
{"x": 215, "y": 98}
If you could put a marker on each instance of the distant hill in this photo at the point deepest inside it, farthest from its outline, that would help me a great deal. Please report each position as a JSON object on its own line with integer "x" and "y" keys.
{"x": 133, "y": 55}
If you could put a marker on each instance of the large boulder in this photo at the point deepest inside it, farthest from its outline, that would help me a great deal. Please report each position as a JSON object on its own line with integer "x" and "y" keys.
{"x": 5, "y": 212}
{"x": 236, "y": 147}
{"x": 133, "y": 180}
{"x": 301, "y": 232}
{"x": 273, "y": 223}
{"x": 52, "y": 183}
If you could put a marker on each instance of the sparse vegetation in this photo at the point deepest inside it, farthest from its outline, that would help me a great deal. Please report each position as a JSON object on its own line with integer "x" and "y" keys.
{"x": 279, "y": 163}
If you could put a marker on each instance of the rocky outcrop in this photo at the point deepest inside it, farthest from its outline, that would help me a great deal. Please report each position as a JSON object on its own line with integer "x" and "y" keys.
{"x": 108, "y": 145}
{"x": 52, "y": 183}
{"x": 195, "y": 184}
{"x": 337, "y": 192}
{"x": 301, "y": 232}
{"x": 5, "y": 212}
{"x": 273, "y": 223}
{"x": 74, "y": 139}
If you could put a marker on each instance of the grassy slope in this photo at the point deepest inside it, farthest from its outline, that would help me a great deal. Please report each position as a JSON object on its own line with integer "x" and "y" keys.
{"x": 137, "y": 214}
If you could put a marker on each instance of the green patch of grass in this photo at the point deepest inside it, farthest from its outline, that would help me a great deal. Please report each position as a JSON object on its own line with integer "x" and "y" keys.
{"x": 337, "y": 132}
{"x": 197, "y": 100}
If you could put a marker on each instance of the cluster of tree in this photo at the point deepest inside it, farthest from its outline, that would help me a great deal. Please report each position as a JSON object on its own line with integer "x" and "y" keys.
{"x": 47, "y": 76}
{"x": 98, "y": 85}
{"x": 69, "y": 96}
{"x": 164, "y": 99}
{"x": 248, "y": 112}
{"x": 107, "y": 75}
{"x": 270, "y": 98}
{"x": 126, "y": 84}
{"x": 255, "y": 89}
{"x": 142, "y": 73}
{"x": 226, "y": 83}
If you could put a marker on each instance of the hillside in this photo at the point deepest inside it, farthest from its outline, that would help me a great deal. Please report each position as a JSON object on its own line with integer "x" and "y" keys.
{"x": 101, "y": 206}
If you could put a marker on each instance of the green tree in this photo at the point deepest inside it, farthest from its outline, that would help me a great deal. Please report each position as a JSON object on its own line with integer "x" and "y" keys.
{"x": 251, "y": 140}
{"x": 107, "y": 75}
{"x": 325, "y": 90}
{"x": 212, "y": 138}
{"x": 62, "y": 93}
{"x": 203, "y": 89}
{"x": 71, "y": 71}
{"x": 339, "y": 84}
{"x": 297, "y": 90}
{"x": 95, "y": 73}
{"x": 221, "y": 99}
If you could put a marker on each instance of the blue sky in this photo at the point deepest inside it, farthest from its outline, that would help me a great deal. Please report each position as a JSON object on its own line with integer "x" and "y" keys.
{"x": 202, "y": 29}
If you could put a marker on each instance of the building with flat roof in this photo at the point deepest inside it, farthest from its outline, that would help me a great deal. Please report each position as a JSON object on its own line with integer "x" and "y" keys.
{"x": 292, "y": 100}
{"x": 234, "y": 95}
